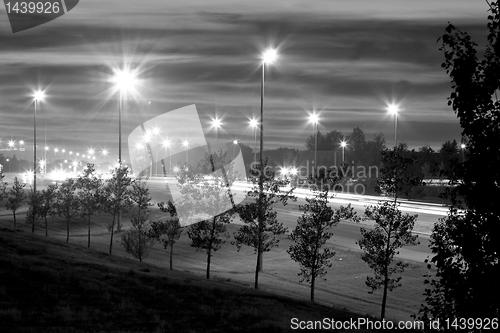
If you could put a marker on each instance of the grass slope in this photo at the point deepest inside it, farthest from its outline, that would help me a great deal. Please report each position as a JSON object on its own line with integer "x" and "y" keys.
{"x": 51, "y": 286}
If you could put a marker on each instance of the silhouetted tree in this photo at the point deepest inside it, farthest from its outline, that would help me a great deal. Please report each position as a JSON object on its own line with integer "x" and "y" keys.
{"x": 3, "y": 186}
{"x": 116, "y": 197}
{"x": 466, "y": 243}
{"x": 398, "y": 174}
{"x": 67, "y": 203}
{"x": 17, "y": 196}
{"x": 47, "y": 205}
{"x": 34, "y": 214}
{"x": 136, "y": 240}
{"x": 392, "y": 231}
{"x": 262, "y": 236}
{"x": 89, "y": 194}
{"x": 167, "y": 231}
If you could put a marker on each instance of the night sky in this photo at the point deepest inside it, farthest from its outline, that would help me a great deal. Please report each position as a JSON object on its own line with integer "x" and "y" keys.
{"x": 345, "y": 60}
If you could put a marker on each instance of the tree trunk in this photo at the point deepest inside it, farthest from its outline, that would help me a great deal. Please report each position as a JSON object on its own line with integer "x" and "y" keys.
{"x": 208, "y": 262}
{"x": 88, "y": 222}
{"x": 45, "y": 217}
{"x": 171, "y": 254}
{"x": 386, "y": 267}
{"x": 14, "y": 213}
{"x": 33, "y": 221}
{"x": 67, "y": 230}
{"x": 313, "y": 280}
{"x": 112, "y": 232}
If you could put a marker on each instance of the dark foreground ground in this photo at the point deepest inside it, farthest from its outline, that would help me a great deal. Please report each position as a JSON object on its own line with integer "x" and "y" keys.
{"x": 50, "y": 286}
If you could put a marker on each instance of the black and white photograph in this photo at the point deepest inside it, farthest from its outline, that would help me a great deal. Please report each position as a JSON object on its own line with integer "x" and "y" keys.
{"x": 249, "y": 166}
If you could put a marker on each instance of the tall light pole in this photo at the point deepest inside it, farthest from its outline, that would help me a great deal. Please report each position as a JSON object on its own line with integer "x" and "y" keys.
{"x": 217, "y": 123}
{"x": 254, "y": 124}
{"x": 38, "y": 96}
{"x": 124, "y": 80}
{"x": 185, "y": 144}
{"x": 394, "y": 109}
{"x": 45, "y": 156}
{"x": 314, "y": 118}
{"x": 235, "y": 143}
{"x": 267, "y": 58}
{"x": 166, "y": 144}
{"x": 462, "y": 147}
{"x": 343, "y": 144}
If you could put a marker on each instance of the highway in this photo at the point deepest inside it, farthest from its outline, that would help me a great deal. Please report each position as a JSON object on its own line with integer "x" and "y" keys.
{"x": 346, "y": 234}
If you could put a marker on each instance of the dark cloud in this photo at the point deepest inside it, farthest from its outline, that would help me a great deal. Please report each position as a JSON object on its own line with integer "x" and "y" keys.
{"x": 346, "y": 65}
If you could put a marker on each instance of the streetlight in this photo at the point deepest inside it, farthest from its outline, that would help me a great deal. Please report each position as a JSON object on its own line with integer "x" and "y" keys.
{"x": 124, "y": 81}
{"x": 235, "y": 143}
{"x": 38, "y": 96}
{"x": 268, "y": 57}
{"x": 166, "y": 144}
{"x": 156, "y": 132}
{"x": 394, "y": 109}
{"x": 185, "y": 144}
{"x": 343, "y": 144}
{"x": 45, "y": 156}
{"x": 217, "y": 124}
{"x": 254, "y": 123}
{"x": 314, "y": 118}
{"x": 462, "y": 146}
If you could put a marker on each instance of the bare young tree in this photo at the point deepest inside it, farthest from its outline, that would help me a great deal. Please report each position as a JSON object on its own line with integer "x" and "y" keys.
{"x": 116, "y": 197}
{"x": 47, "y": 205}
{"x": 312, "y": 232}
{"x": 262, "y": 237}
{"x": 16, "y": 197}
{"x": 393, "y": 230}
{"x": 67, "y": 202}
{"x": 89, "y": 187}
{"x": 136, "y": 240}
{"x": 167, "y": 231}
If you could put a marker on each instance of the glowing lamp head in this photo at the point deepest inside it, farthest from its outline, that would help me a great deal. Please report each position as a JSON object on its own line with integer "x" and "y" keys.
{"x": 56, "y": 150}
{"x": 217, "y": 123}
{"x": 269, "y": 56}
{"x": 166, "y": 143}
{"x": 235, "y": 142}
{"x": 343, "y": 144}
{"x": 462, "y": 146}
{"x": 124, "y": 80}
{"x": 393, "y": 109}
{"x": 21, "y": 142}
{"x": 254, "y": 123}
{"x": 314, "y": 118}
{"x": 46, "y": 148}
{"x": 39, "y": 95}
{"x": 104, "y": 152}
{"x": 185, "y": 143}
{"x": 11, "y": 144}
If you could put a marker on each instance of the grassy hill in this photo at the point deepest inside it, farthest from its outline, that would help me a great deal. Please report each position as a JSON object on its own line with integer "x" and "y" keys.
{"x": 51, "y": 286}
